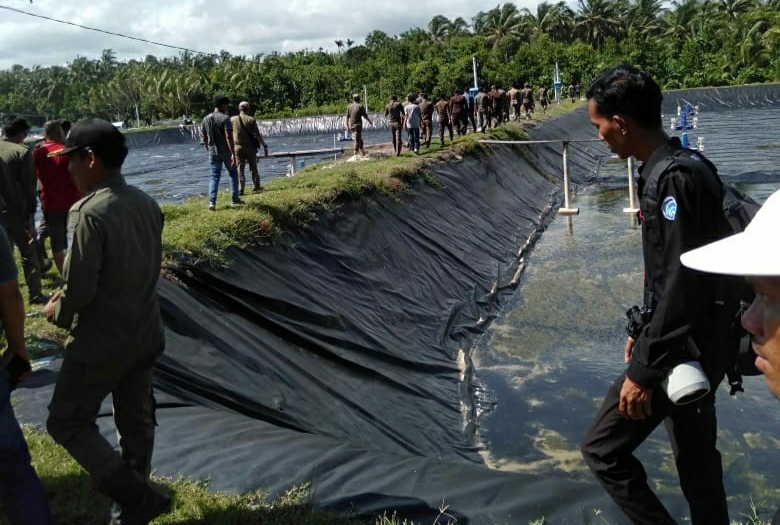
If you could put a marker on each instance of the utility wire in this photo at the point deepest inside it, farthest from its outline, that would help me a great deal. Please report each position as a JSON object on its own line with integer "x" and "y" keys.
{"x": 106, "y": 32}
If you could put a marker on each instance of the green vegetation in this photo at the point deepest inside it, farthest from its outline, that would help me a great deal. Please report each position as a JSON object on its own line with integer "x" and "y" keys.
{"x": 73, "y": 499}
{"x": 685, "y": 43}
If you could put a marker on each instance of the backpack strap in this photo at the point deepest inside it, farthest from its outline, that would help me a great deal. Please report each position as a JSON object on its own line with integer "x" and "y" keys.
{"x": 681, "y": 160}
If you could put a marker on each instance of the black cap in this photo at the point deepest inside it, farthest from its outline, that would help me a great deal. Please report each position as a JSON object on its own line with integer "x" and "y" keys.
{"x": 99, "y": 135}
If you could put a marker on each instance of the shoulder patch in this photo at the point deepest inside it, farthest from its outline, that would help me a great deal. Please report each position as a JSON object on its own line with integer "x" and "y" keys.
{"x": 669, "y": 208}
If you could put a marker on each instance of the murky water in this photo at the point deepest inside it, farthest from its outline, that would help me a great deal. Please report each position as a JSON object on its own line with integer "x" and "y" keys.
{"x": 548, "y": 360}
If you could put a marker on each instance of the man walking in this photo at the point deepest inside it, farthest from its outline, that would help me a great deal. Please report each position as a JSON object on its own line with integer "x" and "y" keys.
{"x": 426, "y": 122}
{"x": 17, "y": 201}
{"x": 218, "y": 140}
{"x": 526, "y": 100}
{"x": 444, "y": 117}
{"x": 457, "y": 109}
{"x": 58, "y": 192}
{"x": 482, "y": 107}
{"x": 470, "y": 111}
{"x": 412, "y": 124}
{"x": 394, "y": 112}
{"x": 247, "y": 140}
{"x": 355, "y": 115}
{"x": 109, "y": 303}
{"x": 686, "y": 315}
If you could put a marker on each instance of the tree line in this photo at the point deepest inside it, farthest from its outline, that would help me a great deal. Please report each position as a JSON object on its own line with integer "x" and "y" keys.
{"x": 691, "y": 43}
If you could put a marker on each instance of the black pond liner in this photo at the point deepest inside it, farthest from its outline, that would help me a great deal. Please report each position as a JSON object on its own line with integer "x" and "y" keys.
{"x": 340, "y": 355}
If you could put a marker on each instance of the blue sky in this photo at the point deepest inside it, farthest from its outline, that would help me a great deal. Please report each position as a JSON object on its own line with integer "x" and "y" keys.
{"x": 241, "y": 27}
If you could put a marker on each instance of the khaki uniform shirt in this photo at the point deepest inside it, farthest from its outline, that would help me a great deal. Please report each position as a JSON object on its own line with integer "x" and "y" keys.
{"x": 426, "y": 110}
{"x": 355, "y": 114}
{"x": 394, "y": 112}
{"x": 243, "y": 135}
{"x": 109, "y": 301}
{"x": 17, "y": 182}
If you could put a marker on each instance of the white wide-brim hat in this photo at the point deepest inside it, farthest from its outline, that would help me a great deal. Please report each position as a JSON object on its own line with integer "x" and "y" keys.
{"x": 755, "y": 251}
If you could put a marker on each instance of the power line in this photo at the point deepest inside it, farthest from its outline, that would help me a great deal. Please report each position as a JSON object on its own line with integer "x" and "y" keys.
{"x": 106, "y": 32}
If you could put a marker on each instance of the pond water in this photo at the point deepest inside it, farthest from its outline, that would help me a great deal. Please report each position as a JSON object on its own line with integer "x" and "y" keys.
{"x": 547, "y": 362}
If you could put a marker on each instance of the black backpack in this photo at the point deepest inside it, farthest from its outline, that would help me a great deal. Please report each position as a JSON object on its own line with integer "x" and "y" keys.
{"x": 738, "y": 210}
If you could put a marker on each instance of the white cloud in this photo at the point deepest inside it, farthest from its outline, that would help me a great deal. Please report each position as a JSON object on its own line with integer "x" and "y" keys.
{"x": 241, "y": 27}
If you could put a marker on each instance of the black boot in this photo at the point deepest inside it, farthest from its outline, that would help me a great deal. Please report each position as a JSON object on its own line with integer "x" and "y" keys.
{"x": 140, "y": 502}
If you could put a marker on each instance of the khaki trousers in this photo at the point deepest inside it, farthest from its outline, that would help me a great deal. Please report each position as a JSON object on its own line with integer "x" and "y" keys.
{"x": 74, "y": 408}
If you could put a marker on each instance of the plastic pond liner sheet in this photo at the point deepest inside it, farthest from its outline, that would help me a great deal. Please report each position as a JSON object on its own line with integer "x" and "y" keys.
{"x": 361, "y": 355}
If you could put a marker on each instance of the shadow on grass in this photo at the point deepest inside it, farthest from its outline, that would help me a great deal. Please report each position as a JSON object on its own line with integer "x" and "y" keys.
{"x": 75, "y": 501}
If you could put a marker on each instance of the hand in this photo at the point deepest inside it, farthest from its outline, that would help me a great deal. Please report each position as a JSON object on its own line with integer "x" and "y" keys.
{"x": 232, "y": 159}
{"x": 32, "y": 235}
{"x": 48, "y": 310}
{"x": 629, "y": 347}
{"x": 635, "y": 400}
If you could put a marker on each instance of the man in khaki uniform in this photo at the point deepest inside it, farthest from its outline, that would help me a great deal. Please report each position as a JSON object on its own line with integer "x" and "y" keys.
{"x": 18, "y": 201}
{"x": 247, "y": 140}
{"x": 355, "y": 115}
{"x": 394, "y": 111}
{"x": 109, "y": 303}
{"x": 426, "y": 124}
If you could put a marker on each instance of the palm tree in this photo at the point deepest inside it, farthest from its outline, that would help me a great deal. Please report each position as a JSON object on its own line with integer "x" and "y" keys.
{"x": 644, "y": 16}
{"x": 554, "y": 20}
{"x": 439, "y": 29}
{"x": 458, "y": 27}
{"x": 597, "y": 20}
{"x": 680, "y": 22}
{"x": 107, "y": 60}
{"x": 339, "y": 44}
{"x": 732, "y": 9}
{"x": 498, "y": 23}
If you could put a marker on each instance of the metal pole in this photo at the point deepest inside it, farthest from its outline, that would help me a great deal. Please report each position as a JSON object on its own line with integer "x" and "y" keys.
{"x": 631, "y": 205}
{"x": 474, "y": 67}
{"x": 365, "y": 96}
{"x": 566, "y": 210}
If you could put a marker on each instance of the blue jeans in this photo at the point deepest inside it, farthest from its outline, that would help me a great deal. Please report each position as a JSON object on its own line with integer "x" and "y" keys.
{"x": 216, "y": 172}
{"x": 21, "y": 494}
{"x": 414, "y": 138}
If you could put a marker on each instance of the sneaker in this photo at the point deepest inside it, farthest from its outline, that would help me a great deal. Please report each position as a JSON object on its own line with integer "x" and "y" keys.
{"x": 239, "y": 202}
{"x": 41, "y": 298}
{"x": 257, "y": 189}
{"x": 212, "y": 207}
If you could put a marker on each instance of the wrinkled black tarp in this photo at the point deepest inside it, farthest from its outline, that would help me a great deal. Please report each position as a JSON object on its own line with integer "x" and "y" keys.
{"x": 340, "y": 354}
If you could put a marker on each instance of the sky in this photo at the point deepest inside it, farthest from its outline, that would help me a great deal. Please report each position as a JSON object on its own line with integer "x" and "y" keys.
{"x": 240, "y": 27}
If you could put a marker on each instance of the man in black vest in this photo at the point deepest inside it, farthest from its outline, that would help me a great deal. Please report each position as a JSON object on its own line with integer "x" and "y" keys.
{"x": 684, "y": 321}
